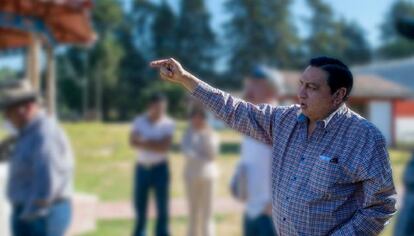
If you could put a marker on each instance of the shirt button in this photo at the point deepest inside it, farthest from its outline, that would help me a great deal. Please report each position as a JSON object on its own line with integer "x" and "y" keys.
{"x": 287, "y": 198}
{"x": 302, "y": 159}
{"x": 294, "y": 178}
{"x": 284, "y": 219}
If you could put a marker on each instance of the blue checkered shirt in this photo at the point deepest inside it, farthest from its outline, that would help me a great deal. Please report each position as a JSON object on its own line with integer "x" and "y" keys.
{"x": 338, "y": 181}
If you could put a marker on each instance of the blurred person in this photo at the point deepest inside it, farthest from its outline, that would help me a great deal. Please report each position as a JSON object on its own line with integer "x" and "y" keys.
{"x": 40, "y": 181}
{"x": 331, "y": 173}
{"x": 151, "y": 136}
{"x": 404, "y": 225}
{"x": 262, "y": 86}
{"x": 200, "y": 146}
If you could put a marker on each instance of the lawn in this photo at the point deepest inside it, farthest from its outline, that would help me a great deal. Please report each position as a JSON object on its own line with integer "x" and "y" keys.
{"x": 105, "y": 166}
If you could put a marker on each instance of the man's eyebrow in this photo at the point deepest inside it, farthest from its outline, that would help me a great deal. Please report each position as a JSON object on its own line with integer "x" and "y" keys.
{"x": 309, "y": 83}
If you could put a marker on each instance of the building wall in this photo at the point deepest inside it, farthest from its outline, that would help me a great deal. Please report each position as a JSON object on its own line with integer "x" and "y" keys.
{"x": 405, "y": 130}
{"x": 404, "y": 127}
{"x": 380, "y": 114}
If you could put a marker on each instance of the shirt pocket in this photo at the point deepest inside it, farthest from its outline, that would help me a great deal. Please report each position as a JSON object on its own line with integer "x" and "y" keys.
{"x": 324, "y": 177}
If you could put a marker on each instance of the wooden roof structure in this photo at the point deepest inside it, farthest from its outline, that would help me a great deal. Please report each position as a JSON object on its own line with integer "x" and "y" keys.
{"x": 33, "y": 23}
{"x": 58, "y": 21}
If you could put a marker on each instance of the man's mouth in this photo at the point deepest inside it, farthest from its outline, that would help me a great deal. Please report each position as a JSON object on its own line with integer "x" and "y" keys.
{"x": 303, "y": 105}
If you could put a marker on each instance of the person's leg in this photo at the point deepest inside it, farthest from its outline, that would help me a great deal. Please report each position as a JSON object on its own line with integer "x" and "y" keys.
{"x": 18, "y": 226}
{"x": 265, "y": 226}
{"x": 191, "y": 191}
{"x": 206, "y": 207}
{"x": 161, "y": 179}
{"x": 249, "y": 226}
{"x": 58, "y": 220}
{"x": 141, "y": 192}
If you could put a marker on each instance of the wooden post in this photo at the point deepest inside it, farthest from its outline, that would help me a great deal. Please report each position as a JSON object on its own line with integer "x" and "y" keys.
{"x": 33, "y": 61}
{"x": 51, "y": 81}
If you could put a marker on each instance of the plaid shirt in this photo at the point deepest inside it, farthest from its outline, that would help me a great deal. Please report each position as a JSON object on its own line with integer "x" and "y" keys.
{"x": 338, "y": 181}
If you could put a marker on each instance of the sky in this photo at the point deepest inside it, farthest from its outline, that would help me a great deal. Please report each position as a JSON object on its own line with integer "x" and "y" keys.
{"x": 367, "y": 13}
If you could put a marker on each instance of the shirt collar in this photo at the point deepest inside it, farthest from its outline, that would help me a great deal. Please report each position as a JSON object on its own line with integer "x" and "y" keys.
{"x": 302, "y": 118}
{"x": 329, "y": 118}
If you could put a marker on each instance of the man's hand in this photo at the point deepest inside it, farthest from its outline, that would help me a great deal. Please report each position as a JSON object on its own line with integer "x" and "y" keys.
{"x": 171, "y": 70}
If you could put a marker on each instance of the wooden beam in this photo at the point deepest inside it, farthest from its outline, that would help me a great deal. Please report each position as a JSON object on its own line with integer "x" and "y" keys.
{"x": 51, "y": 81}
{"x": 33, "y": 61}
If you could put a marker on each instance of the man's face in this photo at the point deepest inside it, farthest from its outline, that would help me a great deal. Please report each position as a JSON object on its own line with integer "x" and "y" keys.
{"x": 314, "y": 94}
{"x": 258, "y": 91}
{"x": 157, "y": 109}
{"x": 15, "y": 115}
{"x": 198, "y": 121}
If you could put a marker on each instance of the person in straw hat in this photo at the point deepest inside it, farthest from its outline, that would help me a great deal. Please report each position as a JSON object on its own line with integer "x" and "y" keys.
{"x": 41, "y": 164}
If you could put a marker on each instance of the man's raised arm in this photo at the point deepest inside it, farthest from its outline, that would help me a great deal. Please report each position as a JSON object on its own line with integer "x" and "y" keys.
{"x": 255, "y": 121}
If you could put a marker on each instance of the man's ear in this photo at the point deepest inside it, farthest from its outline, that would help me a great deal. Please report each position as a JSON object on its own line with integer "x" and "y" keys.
{"x": 339, "y": 96}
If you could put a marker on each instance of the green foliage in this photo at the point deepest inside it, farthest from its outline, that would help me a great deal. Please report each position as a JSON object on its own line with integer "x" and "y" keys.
{"x": 395, "y": 45}
{"x": 261, "y": 32}
{"x": 112, "y": 77}
{"x": 337, "y": 38}
{"x": 196, "y": 40}
{"x": 7, "y": 73}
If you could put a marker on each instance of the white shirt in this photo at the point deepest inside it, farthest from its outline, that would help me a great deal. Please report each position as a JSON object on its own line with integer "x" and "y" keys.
{"x": 257, "y": 157}
{"x": 152, "y": 131}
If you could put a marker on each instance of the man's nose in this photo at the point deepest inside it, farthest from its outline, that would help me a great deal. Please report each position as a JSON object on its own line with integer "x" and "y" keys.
{"x": 301, "y": 92}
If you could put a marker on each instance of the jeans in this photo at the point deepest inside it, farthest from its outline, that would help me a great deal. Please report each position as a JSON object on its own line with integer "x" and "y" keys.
{"x": 55, "y": 223}
{"x": 149, "y": 178}
{"x": 259, "y": 226}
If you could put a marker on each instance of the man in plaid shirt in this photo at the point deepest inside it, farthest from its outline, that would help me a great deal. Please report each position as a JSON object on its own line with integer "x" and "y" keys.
{"x": 330, "y": 169}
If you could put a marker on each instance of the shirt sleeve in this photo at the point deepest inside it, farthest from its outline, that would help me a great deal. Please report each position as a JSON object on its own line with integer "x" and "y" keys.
{"x": 378, "y": 204}
{"x": 186, "y": 145}
{"x": 249, "y": 119}
{"x": 136, "y": 126}
{"x": 170, "y": 129}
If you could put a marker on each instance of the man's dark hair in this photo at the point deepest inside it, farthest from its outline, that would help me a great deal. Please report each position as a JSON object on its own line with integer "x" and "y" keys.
{"x": 339, "y": 75}
{"x": 157, "y": 97}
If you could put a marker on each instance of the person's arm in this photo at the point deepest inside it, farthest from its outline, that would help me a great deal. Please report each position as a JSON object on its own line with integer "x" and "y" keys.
{"x": 161, "y": 145}
{"x": 379, "y": 194}
{"x": 252, "y": 120}
{"x": 187, "y": 146}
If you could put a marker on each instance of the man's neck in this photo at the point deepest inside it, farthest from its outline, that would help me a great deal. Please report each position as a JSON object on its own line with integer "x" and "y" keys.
{"x": 312, "y": 122}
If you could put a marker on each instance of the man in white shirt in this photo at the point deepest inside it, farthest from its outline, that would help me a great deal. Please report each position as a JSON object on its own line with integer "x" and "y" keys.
{"x": 151, "y": 136}
{"x": 261, "y": 86}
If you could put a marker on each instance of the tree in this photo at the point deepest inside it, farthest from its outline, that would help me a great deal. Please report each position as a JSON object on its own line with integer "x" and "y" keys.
{"x": 93, "y": 72}
{"x": 163, "y": 32}
{"x": 337, "y": 38}
{"x": 104, "y": 58}
{"x": 134, "y": 75}
{"x": 195, "y": 38}
{"x": 261, "y": 32}
{"x": 394, "y": 45}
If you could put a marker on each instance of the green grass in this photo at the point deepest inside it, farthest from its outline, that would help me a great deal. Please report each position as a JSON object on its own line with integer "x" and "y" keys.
{"x": 104, "y": 160}
{"x": 105, "y": 165}
{"x": 228, "y": 225}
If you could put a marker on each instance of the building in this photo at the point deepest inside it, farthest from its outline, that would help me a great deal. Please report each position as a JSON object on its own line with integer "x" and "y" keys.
{"x": 400, "y": 72}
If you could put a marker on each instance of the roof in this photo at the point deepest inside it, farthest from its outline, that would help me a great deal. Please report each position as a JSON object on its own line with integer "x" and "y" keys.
{"x": 365, "y": 86}
{"x": 66, "y": 21}
{"x": 398, "y": 71}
